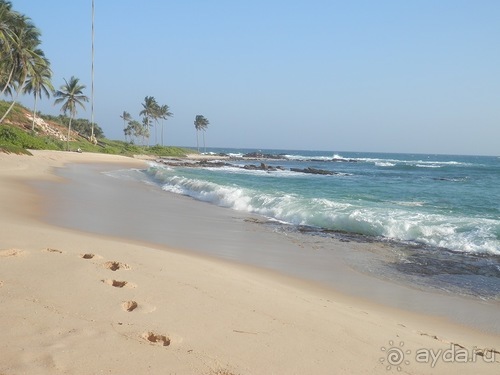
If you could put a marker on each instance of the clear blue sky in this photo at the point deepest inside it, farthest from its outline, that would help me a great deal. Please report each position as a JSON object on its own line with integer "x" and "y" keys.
{"x": 390, "y": 76}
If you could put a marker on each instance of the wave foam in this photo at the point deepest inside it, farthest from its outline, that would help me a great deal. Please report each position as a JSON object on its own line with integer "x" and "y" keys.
{"x": 401, "y": 223}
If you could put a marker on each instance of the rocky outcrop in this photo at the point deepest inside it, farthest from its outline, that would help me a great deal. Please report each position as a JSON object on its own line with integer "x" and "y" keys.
{"x": 250, "y": 167}
{"x": 313, "y": 171}
{"x": 193, "y": 163}
{"x": 259, "y": 155}
{"x": 263, "y": 167}
{"x": 46, "y": 129}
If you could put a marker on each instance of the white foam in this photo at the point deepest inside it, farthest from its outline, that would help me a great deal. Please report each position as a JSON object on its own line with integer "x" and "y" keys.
{"x": 384, "y": 164}
{"x": 403, "y": 220}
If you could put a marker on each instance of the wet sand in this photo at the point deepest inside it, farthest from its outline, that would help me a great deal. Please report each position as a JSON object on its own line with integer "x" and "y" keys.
{"x": 96, "y": 278}
{"x": 93, "y": 201}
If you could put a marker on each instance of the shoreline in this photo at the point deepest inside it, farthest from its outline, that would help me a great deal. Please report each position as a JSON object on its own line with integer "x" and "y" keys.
{"x": 166, "y": 219}
{"x": 214, "y": 314}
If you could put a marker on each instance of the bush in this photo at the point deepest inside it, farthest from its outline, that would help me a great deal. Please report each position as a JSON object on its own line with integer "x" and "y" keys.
{"x": 166, "y": 151}
{"x": 11, "y": 136}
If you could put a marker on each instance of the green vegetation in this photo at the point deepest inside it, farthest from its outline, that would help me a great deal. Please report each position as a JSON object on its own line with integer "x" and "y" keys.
{"x": 69, "y": 95}
{"x": 11, "y": 136}
{"x": 17, "y": 115}
{"x": 151, "y": 112}
{"x": 22, "y": 61}
{"x": 18, "y": 136}
{"x": 80, "y": 125}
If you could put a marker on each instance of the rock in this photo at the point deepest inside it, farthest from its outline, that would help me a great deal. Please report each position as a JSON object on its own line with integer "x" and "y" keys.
{"x": 259, "y": 155}
{"x": 262, "y": 167}
{"x": 312, "y": 171}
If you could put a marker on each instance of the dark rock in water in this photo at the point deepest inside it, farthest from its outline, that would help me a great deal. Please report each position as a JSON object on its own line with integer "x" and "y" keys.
{"x": 262, "y": 167}
{"x": 259, "y": 155}
{"x": 312, "y": 171}
{"x": 193, "y": 163}
{"x": 213, "y": 163}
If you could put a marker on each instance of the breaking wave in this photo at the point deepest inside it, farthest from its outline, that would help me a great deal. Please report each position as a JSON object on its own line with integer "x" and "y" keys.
{"x": 401, "y": 221}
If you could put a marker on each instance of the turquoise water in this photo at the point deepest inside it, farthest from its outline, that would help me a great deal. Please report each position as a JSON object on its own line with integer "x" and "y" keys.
{"x": 439, "y": 214}
{"x": 450, "y": 202}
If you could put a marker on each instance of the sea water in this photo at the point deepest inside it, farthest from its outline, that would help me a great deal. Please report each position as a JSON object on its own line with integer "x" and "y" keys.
{"x": 441, "y": 212}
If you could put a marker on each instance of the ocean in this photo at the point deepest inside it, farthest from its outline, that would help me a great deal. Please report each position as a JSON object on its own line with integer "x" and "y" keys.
{"x": 439, "y": 214}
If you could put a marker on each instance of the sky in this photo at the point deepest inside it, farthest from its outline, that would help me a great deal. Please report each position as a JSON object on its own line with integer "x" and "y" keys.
{"x": 362, "y": 75}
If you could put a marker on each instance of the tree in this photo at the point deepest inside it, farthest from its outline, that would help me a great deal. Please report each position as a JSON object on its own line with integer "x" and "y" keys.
{"x": 134, "y": 128}
{"x": 39, "y": 83}
{"x": 200, "y": 123}
{"x": 8, "y": 18}
{"x": 11, "y": 24}
{"x": 125, "y": 116}
{"x": 149, "y": 112}
{"x": 20, "y": 55}
{"x": 164, "y": 113}
{"x": 70, "y": 94}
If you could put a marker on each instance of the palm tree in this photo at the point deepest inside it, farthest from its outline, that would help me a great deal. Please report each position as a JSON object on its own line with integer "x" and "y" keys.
{"x": 39, "y": 83}
{"x": 134, "y": 128}
{"x": 148, "y": 112}
{"x": 22, "y": 56}
{"x": 164, "y": 113}
{"x": 10, "y": 26}
{"x": 8, "y": 18}
{"x": 200, "y": 123}
{"x": 125, "y": 116}
{"x": 70, "y": 94}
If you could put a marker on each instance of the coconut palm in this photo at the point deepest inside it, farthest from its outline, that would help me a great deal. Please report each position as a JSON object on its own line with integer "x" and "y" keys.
{"x": 134, "y": 128}
{"x": 39, "y": 83}
{"x": 149, "y": 112}
{"x": 22, "y": 56}
{"x": 70, "y": 94}
{"x": 8, "y": 18}
{"x": 10, "y": 26}
{"x": 200, "y": 123}
{"x": 125, "y": 116}
{"x": 20, "y": 43}
{"x": 164, "y": 113}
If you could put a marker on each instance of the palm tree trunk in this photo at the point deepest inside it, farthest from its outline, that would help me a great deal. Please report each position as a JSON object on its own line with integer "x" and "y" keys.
{"x": 69, "y": 132}
{"x": 13, "y": 101}
{"x": 204, "y": 147}
{"x": 162, "y": 133}
{"x": 34, "y": 114}
{"x": 8, "y": 81}
{"x": 92, "y": 73}
{"x": 197, "y": 141}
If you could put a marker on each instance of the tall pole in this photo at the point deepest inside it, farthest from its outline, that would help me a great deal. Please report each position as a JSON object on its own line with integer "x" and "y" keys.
{"x": 92, "y": 85}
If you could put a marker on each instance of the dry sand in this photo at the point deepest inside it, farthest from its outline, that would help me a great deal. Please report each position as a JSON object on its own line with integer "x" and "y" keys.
{"x": 74, "y": 303}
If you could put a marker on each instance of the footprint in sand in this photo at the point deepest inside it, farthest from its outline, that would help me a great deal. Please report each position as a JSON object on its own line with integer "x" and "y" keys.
{"x": 156, "y": 339}
{"x": 118, "y": 284}
{"x": 129, "y": 306}
{"x": 49, "y": 250}
{"x": 11, "y": 253}
{"x": 87, "y": 256}
{"x": 115, "y": 266}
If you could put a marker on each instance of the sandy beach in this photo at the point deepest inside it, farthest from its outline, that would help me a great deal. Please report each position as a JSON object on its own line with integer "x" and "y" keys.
{"x": 84, "y": 299}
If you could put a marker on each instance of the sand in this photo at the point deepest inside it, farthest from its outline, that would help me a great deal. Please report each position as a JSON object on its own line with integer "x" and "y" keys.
{"x": 79, "y": 303}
